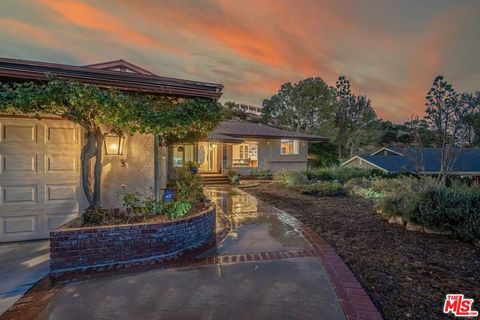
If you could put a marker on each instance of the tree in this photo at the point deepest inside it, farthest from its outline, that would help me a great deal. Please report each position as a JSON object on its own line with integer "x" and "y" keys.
{"x": 356, "y": 122}
{"x": 172, "y": 119}
{"x": 447, "y": 113}
{"x": 301, "y": 107}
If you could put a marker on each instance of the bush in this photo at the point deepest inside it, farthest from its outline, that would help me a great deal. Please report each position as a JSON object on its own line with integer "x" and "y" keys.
{"x": 341, "y": 174}
{"x": 455, "y": 208}
{"x": 188, "y": 186}
{"x": 233, "y": 177}
{"x": 290, "y": 178}
{"x": 177, "y": 209}
{"x": 325, "y": 189}
{"x": 94, "y": 216}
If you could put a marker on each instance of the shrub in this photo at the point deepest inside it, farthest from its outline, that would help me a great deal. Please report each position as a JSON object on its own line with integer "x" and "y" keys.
{"x": 177, "y": 209}
{"x": 357, "y": 183}
{"x": 290, "y": 178}
{"x": 94, "y": 216}
{"x": 455, "y": 208}
{"x": 188, "y": 186}
{"x": 233, "y": 177}
{"x": 261, "y": 173}
{"x": 341, "y": 174}
{"x": 325, "y": 189}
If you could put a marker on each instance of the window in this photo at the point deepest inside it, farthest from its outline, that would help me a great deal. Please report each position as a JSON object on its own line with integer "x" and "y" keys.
{"x": 182, "y": 154}
{"x": 288, "y": 146}
{"x": 245, "y": 155}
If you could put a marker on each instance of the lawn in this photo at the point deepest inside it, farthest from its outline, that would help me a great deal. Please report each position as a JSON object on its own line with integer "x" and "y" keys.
{"x": 407, "y": 274}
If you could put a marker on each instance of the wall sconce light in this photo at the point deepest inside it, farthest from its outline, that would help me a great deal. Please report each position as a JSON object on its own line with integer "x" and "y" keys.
{"x": 114, "y": 144}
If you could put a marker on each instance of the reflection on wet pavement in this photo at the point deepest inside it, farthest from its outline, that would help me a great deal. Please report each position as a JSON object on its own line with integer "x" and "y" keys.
{"x": 256, "y": 227}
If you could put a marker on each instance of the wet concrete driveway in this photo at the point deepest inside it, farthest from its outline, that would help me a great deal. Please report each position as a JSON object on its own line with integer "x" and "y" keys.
{"x": 293, "y": 288}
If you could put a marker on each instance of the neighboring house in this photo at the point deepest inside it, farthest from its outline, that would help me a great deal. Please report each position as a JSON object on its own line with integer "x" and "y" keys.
{"x": 255, "y": 110}
{"x": 40, "y": 159}
{"x": 411, "y": 160}
{"x": 40, "y": 186}
{"x": 245, "y": 147}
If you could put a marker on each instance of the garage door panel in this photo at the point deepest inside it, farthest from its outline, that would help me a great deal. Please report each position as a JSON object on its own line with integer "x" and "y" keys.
{"x": 19, "y": 224}
{"x": 61, "y": 134}
{"x": 62, "y": 164}
{"x": 18, "y": 164}
{"x": 61, "y": 192}
{"x": 19, "y": 195}
{"x": 19, "y": 132}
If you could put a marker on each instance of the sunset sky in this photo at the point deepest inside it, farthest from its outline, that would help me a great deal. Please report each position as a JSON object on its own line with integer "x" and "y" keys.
{"x": 391, "y": 50}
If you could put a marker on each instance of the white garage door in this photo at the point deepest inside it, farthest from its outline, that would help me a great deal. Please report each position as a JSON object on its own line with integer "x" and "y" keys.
{"x": 39, "y": 177}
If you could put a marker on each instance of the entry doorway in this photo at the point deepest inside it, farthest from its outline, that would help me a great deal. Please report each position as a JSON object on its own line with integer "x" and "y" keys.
{"x": 208, "y": 157}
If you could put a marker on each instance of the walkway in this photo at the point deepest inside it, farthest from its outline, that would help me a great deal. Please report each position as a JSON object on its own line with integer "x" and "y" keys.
{"x": 22, "y": 264}
{"x": 269, "y": 266}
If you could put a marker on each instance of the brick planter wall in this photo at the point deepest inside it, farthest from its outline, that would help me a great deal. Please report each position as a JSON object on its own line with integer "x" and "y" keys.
{"x": 108, "y": 245}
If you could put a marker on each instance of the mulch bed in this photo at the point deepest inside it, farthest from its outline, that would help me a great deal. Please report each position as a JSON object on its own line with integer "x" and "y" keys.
{"x": 406, "y": 274}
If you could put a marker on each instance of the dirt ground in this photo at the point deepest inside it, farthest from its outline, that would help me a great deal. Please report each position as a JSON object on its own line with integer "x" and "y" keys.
{"x": 406, "y": 274}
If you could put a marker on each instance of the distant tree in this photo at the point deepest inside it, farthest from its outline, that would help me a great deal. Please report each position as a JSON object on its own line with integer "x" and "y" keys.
{"x": 356, "y": 122}
{"x": 447, "y": 115}
{"x": 304, "y": 106}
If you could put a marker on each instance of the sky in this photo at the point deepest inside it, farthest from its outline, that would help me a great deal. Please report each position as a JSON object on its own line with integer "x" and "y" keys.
{"x": 390, "y": 49}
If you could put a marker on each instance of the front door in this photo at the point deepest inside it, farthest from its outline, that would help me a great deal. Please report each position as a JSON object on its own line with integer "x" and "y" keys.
{"x": 208, "y": 157}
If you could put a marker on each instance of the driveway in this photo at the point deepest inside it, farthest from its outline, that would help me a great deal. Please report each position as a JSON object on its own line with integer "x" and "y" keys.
{"x": 22, "y": 264}
{"x": 269, "y": 266}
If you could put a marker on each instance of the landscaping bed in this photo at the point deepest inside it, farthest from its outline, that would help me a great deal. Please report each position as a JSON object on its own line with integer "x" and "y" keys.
{"x": 407, "y": 274}
{"x": 72, "y": 248}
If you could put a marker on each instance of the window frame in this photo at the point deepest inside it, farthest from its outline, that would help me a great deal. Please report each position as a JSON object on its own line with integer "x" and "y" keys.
{"x": 295, "y": 147}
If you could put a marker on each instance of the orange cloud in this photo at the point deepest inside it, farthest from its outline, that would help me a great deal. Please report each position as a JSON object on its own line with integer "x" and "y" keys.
{"x": 89, "y": 17}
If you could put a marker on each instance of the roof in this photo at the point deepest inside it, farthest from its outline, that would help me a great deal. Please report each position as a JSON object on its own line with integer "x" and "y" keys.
{"x": 128, "y": 77}
{"x": 245, "y": 129}
{"x": 468, "y": 160}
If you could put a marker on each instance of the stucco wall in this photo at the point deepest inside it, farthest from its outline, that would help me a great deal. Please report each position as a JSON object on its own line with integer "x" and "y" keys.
{"x": 137, "y": 175}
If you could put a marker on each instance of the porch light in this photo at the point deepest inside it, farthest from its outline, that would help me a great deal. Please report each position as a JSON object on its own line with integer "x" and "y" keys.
{"x": 114, "y": 144}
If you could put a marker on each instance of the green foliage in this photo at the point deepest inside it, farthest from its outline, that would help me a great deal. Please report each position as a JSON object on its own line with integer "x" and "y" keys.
{"x": 322, "y": 189}
{"x": 233, "y": 177}
{"x": 304, "y": 106}
{"x": 188, "y": 186}
{"x": 423, "y": 201}
{"x": 261, "y": 173}
{"x": 341, "y": 174}
{"x": 290, "y": 178}
{"x": 177, "y": 209}
{"x": 95, "y": 216}
{"x": 325, "y": 154}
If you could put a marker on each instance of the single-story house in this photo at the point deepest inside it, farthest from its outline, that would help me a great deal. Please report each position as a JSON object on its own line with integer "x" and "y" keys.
{"x": 411, "y": 160}
{"x": 40, "y": 185}
{"x": 246, "y": 148}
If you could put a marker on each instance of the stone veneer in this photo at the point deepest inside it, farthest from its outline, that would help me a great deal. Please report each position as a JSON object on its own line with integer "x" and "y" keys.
{"x": 109, "y": 245}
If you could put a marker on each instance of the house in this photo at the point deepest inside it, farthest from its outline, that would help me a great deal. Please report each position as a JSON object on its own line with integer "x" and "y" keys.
{"x": 411, "y": 160}
{"x": 255, "y": 110}
{"x": 245, "y": 147}
{"x": 40, "y": 178}
{"x": 40, "y": 185}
